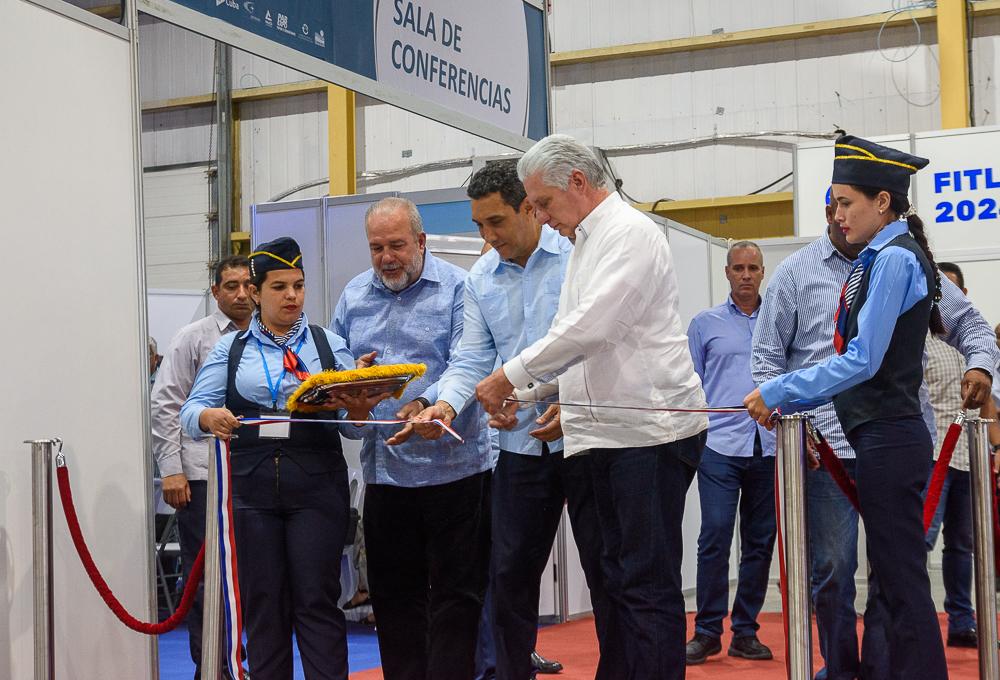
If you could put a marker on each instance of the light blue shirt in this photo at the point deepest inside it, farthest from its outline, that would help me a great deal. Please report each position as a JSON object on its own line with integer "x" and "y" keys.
{"x": 896, "y": 284}
{"x": 720, "y": 340}
{"x": 507, "y": 308}
{"x": 209, "y": 389}
{"x": 420, "y": 324}
{"x": 795, "y": 325}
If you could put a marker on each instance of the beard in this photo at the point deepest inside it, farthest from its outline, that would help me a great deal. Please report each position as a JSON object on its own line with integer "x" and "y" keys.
{"x": 403, "y": 277}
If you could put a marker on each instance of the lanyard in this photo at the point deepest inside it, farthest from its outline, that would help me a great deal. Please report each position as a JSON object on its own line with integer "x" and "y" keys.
{"x": 271, "y": 386}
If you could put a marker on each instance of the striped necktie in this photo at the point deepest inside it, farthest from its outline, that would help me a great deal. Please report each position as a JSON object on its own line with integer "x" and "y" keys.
{"x": 847, "y": 295}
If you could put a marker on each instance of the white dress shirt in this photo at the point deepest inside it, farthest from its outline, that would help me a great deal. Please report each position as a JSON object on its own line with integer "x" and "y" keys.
{"x": 617, "y": 338}
{"x": 175, "y": 452}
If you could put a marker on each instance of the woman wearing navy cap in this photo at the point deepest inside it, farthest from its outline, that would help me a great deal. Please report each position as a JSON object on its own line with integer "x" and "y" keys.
{"x": 886, "y": 307}
{"x": 289, "y": 482}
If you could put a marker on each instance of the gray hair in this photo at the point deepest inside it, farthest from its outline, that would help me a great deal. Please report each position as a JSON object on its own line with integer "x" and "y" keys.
{"x": 392, "y": 204}
{"x": 743, "y": 244}
{"x": 556, "y": 157}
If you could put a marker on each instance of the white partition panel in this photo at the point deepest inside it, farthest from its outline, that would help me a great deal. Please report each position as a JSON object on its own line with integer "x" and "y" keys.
{"x": 74, "y": 340}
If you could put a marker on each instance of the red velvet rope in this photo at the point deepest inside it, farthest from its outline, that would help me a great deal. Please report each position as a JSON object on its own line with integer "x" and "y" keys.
{"x": 940, "y": 473}
{"x": 190, "y": 588}
{"x": 835, "y": 467}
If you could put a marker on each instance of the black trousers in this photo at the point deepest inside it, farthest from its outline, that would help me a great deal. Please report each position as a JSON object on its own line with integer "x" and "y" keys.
{"x": 640, "y": 494}
{"x": 290, "y": 531}
{"x": 191, "y": 533}
{"x": 894, "y": 459}
{"x": 528, "y": 497}
{"x": 428, "y": 561}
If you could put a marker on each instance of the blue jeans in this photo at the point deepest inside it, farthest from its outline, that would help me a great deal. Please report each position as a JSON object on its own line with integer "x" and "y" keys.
{"x": 955, "y": 512}
{"x": 727, "y": 484}
{"x": 833, "y": 551}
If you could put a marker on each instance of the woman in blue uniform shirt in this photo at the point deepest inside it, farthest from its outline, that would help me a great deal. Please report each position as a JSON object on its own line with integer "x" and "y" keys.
{"x": 887, "y": 305}
{"x": 289, "y": 483}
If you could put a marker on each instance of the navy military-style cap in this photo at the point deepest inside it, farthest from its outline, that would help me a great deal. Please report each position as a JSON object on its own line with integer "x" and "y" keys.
{"x": 858, "y": 161}
{"x": 281, "y": 253}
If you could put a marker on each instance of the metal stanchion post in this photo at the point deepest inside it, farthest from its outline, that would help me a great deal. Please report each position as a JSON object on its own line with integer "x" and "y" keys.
{"x": 211, "y": 630}
{"x": 41, "y": 543}
{"x": 562, "y": 572}
{"x": 792, "y": 471}
{"x": 982, "y": 530}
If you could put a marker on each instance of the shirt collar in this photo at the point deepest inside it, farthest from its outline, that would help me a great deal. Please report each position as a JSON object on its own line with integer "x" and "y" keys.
{"x": 736, "y": 308}
{"x": 592, "y": 222}
{"x": 548, "y": 240}
{"x": 254, "y": 331}
{"x": 223, "y": 321}
{"x": 829, "y": 250}
{"x": 889, "y": 232}
{"x": 431, "y": 272}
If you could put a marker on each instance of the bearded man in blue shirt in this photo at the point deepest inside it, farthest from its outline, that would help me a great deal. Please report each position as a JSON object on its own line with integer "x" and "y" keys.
{"x": 511, "y": 297}
{"x": 426, "y": 512}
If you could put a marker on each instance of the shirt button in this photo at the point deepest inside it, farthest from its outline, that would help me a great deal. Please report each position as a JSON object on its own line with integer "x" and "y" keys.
{"x": 530, "y": 385}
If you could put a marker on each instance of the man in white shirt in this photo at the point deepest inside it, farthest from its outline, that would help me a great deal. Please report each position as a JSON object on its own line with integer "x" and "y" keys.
{"x": 183, "y": 462}
{"x": 617, "y": 340}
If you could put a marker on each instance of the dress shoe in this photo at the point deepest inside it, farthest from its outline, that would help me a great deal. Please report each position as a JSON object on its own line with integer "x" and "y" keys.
{"x": 701, "y": 647}
{"x": 749, "y": 647}
{"x": 964, "y": 638}
{"x": 543, "y": 665}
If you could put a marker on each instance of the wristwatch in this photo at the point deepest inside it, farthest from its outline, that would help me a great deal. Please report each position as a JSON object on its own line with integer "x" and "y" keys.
{"x": 423, "y": 402}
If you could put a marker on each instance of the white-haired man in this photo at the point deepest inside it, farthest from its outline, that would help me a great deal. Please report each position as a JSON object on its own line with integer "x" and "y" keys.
{"x": 617, "y": 340}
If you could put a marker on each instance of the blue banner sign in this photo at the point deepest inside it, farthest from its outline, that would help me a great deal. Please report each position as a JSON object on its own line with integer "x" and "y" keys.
{"x": 483, "y": 60}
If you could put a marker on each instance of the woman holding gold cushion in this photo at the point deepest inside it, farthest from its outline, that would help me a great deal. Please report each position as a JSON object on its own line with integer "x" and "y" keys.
{"x": 289, "y": 481}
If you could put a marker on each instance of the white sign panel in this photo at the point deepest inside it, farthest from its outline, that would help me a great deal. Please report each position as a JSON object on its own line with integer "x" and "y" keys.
{"x": 959, "y": 191}
{"x": 448, "y": 52}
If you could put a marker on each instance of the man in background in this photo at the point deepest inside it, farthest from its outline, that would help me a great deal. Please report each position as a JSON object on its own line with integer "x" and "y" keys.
{"x": 183, "y": 463}
{"x": 736, "y": 471}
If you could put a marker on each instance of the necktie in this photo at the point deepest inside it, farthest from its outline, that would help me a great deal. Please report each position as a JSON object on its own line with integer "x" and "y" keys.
{"x": 847, "y": 295}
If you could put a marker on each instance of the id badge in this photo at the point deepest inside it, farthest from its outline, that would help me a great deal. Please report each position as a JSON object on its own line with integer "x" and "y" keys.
{"x": 278, "y": 430}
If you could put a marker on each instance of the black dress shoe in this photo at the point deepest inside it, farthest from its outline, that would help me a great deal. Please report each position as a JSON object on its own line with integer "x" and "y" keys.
{"x": 964, "y": 638}
{"x": 749, "y": 647}
{"x": 701, "y": 647}
{"x": 543, "y": 665}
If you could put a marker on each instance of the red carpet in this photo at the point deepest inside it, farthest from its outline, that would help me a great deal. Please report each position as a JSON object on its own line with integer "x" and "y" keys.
{"x": 575, "y": 645}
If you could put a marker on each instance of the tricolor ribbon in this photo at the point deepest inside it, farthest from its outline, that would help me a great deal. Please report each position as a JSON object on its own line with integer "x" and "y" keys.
{"x": 316, "y": 421}
{"x": 227, "y": 561}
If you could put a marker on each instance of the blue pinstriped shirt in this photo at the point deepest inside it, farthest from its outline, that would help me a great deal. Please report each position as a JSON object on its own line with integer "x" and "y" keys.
{"x": 795, "y": 326}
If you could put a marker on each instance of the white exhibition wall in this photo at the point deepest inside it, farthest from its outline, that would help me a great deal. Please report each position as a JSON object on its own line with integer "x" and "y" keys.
{"x": 75, "y": 353}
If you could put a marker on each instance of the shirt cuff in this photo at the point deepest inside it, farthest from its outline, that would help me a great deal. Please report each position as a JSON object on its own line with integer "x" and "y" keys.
{"x": 518, "y": 375}
{"x": 983, "y": 364}
{"x": 454, "y": 400}
{"x": 773, "y": 392}
{"x": 170, "y": 464}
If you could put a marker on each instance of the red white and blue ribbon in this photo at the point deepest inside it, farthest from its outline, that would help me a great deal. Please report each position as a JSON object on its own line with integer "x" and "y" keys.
{"x": 317, "y": 421}
{"x": 227, "y": 562}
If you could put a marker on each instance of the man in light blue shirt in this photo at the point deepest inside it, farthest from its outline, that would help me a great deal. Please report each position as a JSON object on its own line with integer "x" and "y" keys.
{"x": 736, "y": 471}
{"x": 795, "y": 330}
{"x": 511, "y": 297}
{"x": 426, "y": 512}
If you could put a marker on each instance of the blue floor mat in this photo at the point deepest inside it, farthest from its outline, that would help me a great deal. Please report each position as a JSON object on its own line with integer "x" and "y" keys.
{"x": 175, "y": 656}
